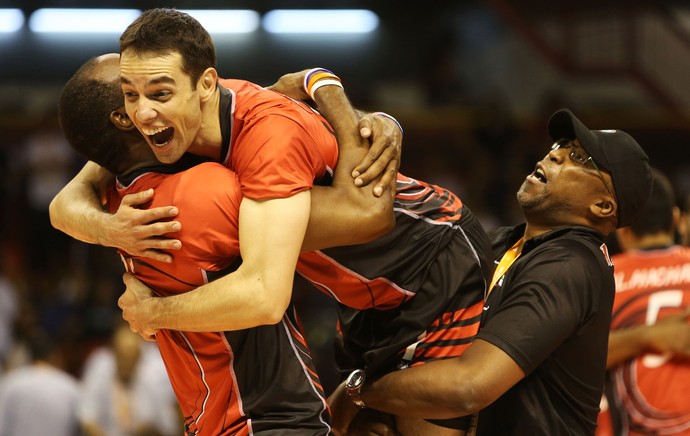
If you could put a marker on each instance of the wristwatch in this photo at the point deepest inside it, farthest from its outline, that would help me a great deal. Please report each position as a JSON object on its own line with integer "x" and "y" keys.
{"x": 353, "y": 387}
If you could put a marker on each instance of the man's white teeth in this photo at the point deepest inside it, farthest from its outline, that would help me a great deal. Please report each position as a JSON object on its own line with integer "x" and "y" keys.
{"x": 150, "y": 132}
{"x": 539, "y": 174}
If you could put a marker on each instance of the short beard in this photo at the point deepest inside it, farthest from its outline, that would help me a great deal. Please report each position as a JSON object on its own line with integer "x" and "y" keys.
{"x": 526, "y": 201}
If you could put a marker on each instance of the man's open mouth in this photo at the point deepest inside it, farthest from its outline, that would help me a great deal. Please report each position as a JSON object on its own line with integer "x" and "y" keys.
{"x": 162, "y": 136}
{"x": 539, "y": 174}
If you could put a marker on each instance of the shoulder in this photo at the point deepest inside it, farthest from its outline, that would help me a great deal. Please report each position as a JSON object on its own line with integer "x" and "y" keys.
{"x": 577, "y": 247}
{"x": 208, "y": 177}
{"x": 568, "y": 262}
{"x": 205, "y": 194}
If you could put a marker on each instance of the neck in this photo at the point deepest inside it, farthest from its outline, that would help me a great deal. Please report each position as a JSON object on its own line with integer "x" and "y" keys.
{"x": 208, "y": 142}
{"x": 532, "y": 231}
{"x": 661, "y": 239}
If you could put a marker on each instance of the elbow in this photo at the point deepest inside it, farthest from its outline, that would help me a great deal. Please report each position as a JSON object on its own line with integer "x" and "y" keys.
{"x": 53, "y": 212}
{"x": 380, "y": 220}
{"x": 272, "y": 305}
{"x": 465, "y": 398}
{"x": 375, "y": 217}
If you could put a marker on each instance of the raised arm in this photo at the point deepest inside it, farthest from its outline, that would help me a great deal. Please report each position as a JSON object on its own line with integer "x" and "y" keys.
{"x": 343, "y": 214}
{"x": 77, "y": 210}
{"x": 383, "y": 132}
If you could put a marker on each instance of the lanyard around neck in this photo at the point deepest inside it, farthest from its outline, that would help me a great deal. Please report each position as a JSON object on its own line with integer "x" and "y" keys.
{"x": 507, "y": 260}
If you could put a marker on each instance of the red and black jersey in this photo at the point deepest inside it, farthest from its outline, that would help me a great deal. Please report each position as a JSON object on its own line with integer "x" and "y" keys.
{"x": 253, "y": 381}
{"x": 280, "y": 147}
{"x": 649, "y": 394}
{"x": 277, "y": 146}
{"x": 414, "y": 294}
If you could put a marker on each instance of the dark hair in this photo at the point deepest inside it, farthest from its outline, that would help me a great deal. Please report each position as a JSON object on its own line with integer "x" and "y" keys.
{"x": 84, "y": 110}
{"x": 657, "y": 214}
{"x": 39, "y": 344}
{"x": 162, "y": 31}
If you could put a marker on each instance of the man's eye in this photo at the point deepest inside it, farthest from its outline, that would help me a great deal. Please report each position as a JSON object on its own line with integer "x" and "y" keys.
{"x": 578, "y": 157}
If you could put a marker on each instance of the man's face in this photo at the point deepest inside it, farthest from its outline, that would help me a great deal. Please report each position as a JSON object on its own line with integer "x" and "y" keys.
{"x": 560, "y": 188}
{"x": 162, "y": 102}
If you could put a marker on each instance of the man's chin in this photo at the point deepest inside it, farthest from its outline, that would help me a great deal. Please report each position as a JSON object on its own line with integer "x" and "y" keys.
{"x": 167, "y": 158}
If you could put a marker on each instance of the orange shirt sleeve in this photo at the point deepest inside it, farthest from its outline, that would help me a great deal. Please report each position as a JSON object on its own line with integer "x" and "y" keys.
{"x": 280, "y": 156}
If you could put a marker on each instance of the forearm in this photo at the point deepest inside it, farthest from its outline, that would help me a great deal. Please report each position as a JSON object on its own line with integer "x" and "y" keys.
{"x": 336, "y": 108}
{"x": 624, "y": 344}
{"x": 418, "y": 392}
{"x": 234, "y": 302}
{"x": 259, "y": 291}
{"x": 448, "y": 388}
{"x": 343, "y": 214}
{"x": 77, "y": 209}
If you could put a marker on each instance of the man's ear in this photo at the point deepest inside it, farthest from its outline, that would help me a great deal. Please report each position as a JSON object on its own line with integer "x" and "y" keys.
{"x": 121, "y": 120}
{"x": 207, "y": 83}
{"x": 603, "y": 208}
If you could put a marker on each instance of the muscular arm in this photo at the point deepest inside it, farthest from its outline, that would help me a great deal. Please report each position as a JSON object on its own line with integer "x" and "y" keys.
{"x": 344, "y": 214}
{"x": 258, "y": 293}
{"x": 446, "y": 388}
{"x": 77, "y": 210}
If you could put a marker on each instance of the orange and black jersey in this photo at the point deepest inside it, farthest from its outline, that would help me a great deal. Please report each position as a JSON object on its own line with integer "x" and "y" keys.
{"x": 277, "y": 146}
{"x": 254, "y": 381}
{"x": 414, "y": 294}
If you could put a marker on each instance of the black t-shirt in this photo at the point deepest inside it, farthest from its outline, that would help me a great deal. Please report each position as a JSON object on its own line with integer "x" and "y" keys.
{"x": 551, "y": 314}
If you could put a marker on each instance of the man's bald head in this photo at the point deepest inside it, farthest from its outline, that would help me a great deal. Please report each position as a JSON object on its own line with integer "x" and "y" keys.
{"x": 87, "y": 102}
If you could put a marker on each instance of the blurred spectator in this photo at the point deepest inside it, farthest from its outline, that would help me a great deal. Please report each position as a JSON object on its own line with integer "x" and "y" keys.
{"x": 126, "y": 390}
{"x": 648, "y": 376}
{"x": 9, "y": 310}
{"x": 40, "y": 398}
{"x": 46, "y": 164}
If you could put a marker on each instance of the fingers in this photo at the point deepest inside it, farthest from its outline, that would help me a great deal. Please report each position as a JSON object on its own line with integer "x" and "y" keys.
{"x": 144, "y": 216}
{"x": 369, "y": 168}
{"x": 128, "y": 302}
{"x": 161, "y": 256}
{"x": 365, "y": 126}
{"x": 291, "y": 85}
{"x": 383, "y": 159}
{"x": 138, "y": 198}
{"x": 387, "y": 179}
{"x": 127, "y": 279}
{"x": 158, "y": 229}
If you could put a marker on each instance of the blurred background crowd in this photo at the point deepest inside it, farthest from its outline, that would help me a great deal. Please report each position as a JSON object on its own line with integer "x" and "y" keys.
{"x": 472, "y": 82}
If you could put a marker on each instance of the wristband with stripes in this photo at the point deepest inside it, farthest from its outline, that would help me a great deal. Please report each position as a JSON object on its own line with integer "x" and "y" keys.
{"x": 318, "y": 77}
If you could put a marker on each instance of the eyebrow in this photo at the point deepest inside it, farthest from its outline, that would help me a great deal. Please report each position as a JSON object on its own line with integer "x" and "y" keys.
{"x": 156, "y": 81}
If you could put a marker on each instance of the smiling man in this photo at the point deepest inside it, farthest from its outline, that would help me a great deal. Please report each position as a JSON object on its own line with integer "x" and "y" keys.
{"x": 537, "y": 364}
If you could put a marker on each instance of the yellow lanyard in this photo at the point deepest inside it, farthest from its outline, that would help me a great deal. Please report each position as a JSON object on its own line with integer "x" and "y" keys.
{"x": 506, "y": 261}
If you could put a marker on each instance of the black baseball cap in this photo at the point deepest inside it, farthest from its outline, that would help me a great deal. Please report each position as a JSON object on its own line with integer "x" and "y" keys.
{"x": 616, "y": 152}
